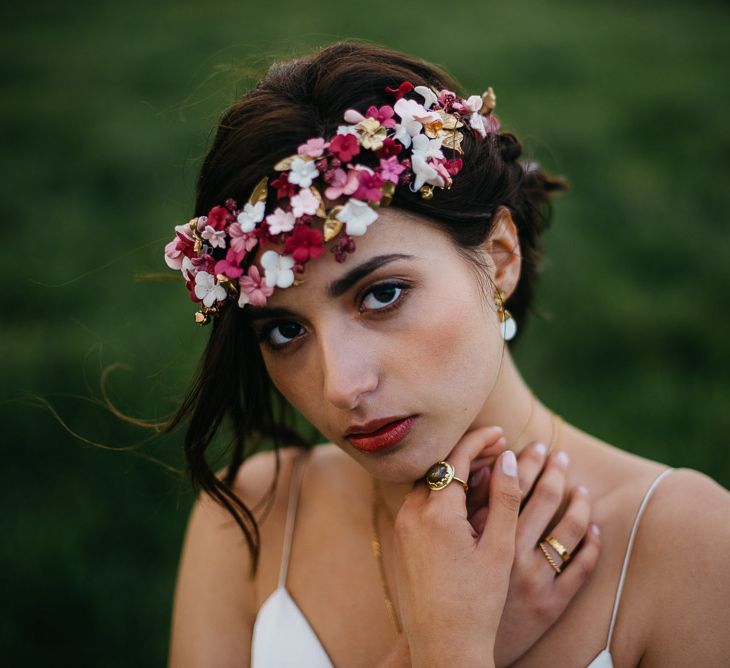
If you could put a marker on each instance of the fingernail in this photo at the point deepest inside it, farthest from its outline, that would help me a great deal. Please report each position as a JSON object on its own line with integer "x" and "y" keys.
{"x": 582, "y": 489}
{"x": 562, "y": 458}
{"x": 509, "y": 463}
{"x": 540, "y": 449}
{"x": 595, "y": 529}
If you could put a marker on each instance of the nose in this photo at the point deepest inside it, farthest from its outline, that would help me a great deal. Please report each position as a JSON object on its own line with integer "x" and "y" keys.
{"x": 349, "y": 369}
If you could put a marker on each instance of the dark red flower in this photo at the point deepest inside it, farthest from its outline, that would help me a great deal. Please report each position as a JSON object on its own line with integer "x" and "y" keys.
{"x": 219, "y": 217}
{"x": 304, "y": 244}
{"x": 405, "y": 88}
{"x": 390, "y": 148}
{"x": 345, "y": 147}
{"x": 284, "y": 189}
{"x": 453, "y": 166}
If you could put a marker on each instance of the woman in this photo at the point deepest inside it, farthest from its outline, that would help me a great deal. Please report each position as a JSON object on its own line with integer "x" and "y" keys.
{"x": 365, "y": 241}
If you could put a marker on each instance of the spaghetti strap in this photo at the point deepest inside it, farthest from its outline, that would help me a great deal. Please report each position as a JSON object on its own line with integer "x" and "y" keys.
{"x": 629, "y": 548}
{"x": 291, "y": 513}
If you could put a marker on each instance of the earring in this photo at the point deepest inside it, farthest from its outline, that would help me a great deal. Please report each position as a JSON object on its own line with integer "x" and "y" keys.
{"x": 507, "y": 324}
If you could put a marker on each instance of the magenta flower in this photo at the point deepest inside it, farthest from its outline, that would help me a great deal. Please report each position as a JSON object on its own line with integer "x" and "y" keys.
{"x": 231, "y": 265}
{"x": 369, "y": 186}
{"x": 341, "y": 183}
{"x": 390, "y": 169}
{"x": 253, "y": 289}
{"x": 384, "y": 115}
{"x": 304, "y": 244}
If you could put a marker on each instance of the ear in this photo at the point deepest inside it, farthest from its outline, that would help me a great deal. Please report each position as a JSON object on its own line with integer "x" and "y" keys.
{"x": 503, "y": 248}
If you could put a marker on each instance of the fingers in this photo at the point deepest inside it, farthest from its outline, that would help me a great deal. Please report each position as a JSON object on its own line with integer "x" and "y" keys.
{"x": 544, "y": 502}
{"x": 498, "y": 538}
{"x": 532, "y": 459}
{"x": 574, "y": 523}
{"x": 581, "y": 565}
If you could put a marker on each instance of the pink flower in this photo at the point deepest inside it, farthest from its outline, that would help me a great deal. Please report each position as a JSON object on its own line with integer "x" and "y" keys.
{"x": 219, "y": 217}
{"x": 216, "y": 238}
{"x": 369, "y": 186}
{"x": 391, "y": 169}
{"x": 181, "y": 246}
{"x": 345, "y": 147}
{"x": 304, "y": 203}
{"x": 253, "y": 290}
{"x": 241, "y": 242}
{"x": 341, "y": 183}
{"x": 384, "y": 115}
{"x": 231, "y": 266}
{"x": 305, "y": 243}
{"x": 313, "y": 147}
{"x": 281, "y": 221}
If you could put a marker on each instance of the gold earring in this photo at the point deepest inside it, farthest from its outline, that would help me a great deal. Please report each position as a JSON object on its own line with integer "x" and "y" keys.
{"x": 507, "y": 324}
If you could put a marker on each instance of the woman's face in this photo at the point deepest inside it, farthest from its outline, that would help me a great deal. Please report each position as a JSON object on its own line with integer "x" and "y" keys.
{"x": 413, "y": 337}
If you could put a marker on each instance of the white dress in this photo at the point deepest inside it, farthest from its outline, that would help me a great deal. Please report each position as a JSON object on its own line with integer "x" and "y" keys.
{"x": 284, "y": 638}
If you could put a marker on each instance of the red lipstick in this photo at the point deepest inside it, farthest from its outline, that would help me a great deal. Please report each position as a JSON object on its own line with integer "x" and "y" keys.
{"x": 385, "y": 437}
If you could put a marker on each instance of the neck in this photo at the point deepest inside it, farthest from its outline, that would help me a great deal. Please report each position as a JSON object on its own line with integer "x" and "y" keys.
{"x": 512, "y": 406}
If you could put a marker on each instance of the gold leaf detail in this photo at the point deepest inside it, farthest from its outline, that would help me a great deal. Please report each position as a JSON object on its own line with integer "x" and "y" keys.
{"x": 453, "y": 141}
{"x": 489, "y": 101}
{"x": 258, "y": 194}
{"x": 320, "y": 209}
{"x": 426, "y": 192}
{"x": 388, "y": 192}
{"x": 285, "y": 164}
{"x": 449, "y": 121}
{"x": 331, "y": 229}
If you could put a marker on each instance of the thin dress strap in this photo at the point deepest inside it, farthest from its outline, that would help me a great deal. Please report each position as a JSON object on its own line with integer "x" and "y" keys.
{"x": 629, "y": 548}
{"x": 291, "y": 514}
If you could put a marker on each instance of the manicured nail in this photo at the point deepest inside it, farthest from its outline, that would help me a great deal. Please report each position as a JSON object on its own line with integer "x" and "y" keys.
{"x": 509, "y": 463}
{"x": 582, "y": 490}
{"x": 540, "y": 449}
{"x": 595, "y": 529}
{"x": 562, "y": 458}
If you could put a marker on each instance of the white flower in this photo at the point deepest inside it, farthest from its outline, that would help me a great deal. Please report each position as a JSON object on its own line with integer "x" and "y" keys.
{"x": 476, "y": 120}
{"x": 280, "y": 221}
{"x": 188, "y": 269}
{"x": 278, "y": 269}
{"x": 413, "y": 116}
{"x": 207, "y": 290}
{"x": 251, "y": 214}
{"x": 427, "y": 148}
{"x": 401, "y": 135}
{"x": 347, "y": 130}
{"x": 474, "y": 103}
{"x": 303, "y": 172}
{"x": 424, "y": 173}
{"x": 304, "y": 202}
{"x": 356, "y": 215}
{"x": 353, "y": 116}
{"x": 429, "y": 97}
{"x": 216, "y": 238}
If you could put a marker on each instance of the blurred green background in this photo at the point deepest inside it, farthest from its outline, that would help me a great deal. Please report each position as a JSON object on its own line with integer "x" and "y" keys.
{"x": 107, "y": 111}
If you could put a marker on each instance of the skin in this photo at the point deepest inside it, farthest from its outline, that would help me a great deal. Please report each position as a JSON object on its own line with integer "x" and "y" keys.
{"x": 440, "y": 355}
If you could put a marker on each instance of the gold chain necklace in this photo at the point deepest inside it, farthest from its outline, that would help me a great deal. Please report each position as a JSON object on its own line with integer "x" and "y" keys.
{"x": 379, "y": 503}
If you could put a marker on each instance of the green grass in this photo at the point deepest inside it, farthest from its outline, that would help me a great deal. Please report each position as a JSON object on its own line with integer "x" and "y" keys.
{"x": 107, "y": 111}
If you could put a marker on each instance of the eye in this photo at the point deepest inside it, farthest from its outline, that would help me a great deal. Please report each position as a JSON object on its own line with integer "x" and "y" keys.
{"x": 287, "y": 332}
{"x": 384, "y": 296}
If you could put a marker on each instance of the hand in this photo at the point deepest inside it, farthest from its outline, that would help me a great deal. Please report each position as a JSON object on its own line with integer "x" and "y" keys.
{"x": 537, "y": 597}
{"x": 452, "y": 580}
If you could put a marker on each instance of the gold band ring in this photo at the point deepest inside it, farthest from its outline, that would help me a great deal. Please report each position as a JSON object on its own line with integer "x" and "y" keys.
{"x": 551, "y": 561}
{"x": 558, "y": 547}
{"x": 441, "y": 474}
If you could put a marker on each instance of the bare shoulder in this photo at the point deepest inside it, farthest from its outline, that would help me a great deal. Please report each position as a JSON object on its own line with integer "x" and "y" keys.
{"x": 215, "y": 595}
{"x": 681, "y": 552}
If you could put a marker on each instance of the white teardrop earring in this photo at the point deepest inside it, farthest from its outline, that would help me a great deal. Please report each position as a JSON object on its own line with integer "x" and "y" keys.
{"x": 507, "y": 324}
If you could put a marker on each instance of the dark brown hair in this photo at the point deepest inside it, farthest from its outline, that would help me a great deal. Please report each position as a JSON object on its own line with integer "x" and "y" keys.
{"x": 294, "y": 101}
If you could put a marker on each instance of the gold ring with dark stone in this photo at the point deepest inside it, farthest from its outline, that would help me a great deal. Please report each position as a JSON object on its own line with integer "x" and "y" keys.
{"x": 441, "y": 474}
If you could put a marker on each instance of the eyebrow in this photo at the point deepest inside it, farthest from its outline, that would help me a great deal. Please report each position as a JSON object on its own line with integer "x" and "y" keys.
{"x": 335, "y": 289}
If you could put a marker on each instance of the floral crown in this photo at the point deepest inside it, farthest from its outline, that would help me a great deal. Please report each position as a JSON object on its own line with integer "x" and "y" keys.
{"x": 398, "y": 145}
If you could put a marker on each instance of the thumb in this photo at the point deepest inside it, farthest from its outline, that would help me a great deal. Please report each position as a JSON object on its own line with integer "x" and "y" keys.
{"x": 497, "y": 541}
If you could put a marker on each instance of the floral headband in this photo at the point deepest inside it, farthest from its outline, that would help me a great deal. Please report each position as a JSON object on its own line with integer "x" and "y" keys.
{"x": 394, "y": 145}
